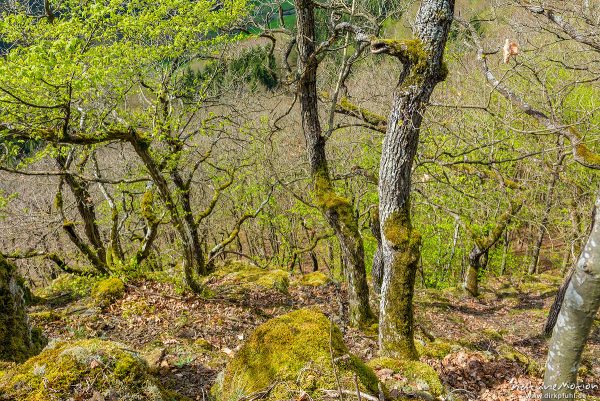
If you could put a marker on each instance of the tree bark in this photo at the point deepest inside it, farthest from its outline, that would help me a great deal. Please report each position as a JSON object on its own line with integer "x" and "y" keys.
{"x": 478, "y": 257}
{"x": 533, "y": 267}
{"x": 574, "y": 322}
{"x": 190, "y": 263}
{"x": 95, "y": 250}
{"x": 338, "y": 211}
{"x": 377, "y": 268}
{"x": 422, "y": 70}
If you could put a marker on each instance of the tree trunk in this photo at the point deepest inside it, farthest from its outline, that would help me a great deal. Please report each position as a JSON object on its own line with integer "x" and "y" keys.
{"x": 533, "y": 267}
{"x": 477, "y": 261}
{"x": 190, "y": 225}
{"x": 377, "y": 268}
{"x": 574, "y": 322}
{"x": 337, "y": 210}
{"x": 95, "y": 250}
{"x": 478, "y": 257}
{"x": 190, "y": 263}
{"x": 422, "y": 70}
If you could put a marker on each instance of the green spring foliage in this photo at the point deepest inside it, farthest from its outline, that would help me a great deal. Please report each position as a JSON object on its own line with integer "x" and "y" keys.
{"x": 293, "y": 351}
{"x": 77, "y": 370}
{"x": 255, "y": 66}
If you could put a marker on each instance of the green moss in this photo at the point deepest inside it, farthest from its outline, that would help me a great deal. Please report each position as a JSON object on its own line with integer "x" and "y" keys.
{"x": 137, "y": 307}
{"x": 398, "y": 231}
{"x": 409, "y": 51}
{"x": 415, "y": 371}
{"x": 437, "y": 349}
{"x": 46, "y": 316}
{"x": 18, "y": 341}
{"x": 294, "y": 350}
{"x": 147, "y": 206}
{"x": 103, "y": 366}
{"x": 313, "y": 279}
{"x": 68, "y": 285}
{"x": 328, "y": 200}
{"x": 398, "y": 330}
{"x": 512, "y": 354}
{"x": 203, "y": 344}
{"x": 539, "y": 289}
{"x": 107, "y": 291}
{"x": 248, "y": 277}
{"x": 493, "y": 334}
{"x": 367, "y": 115}
{"x": 584, "y": 153}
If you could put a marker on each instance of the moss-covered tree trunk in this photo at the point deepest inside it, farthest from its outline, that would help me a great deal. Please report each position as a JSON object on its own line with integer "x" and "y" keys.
{"x": 18, "y": 341}
{"x": 338, "y": 211}
{"x": 478, "y": 257}
{"x": 377, "y": 268}
{"x": 477, "y": 261}
{"x": 193, "y": 256}
{"x": 423, "y": 68}
{"x": 577, "y": 313}
{"x": 94, "y": 249}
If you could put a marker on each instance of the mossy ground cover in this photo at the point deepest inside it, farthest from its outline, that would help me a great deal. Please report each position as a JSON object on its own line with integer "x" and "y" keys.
{"x": 312, "y": 279}
{"x": 241, "y": 276}
{"x": 81, "y": 370}
{"x": 195, "y": 337}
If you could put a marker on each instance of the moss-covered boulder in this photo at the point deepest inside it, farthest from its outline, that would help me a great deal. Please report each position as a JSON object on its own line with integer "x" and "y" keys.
{"x": 18, "y": 340}
{"x": 106, "y": 292}
{"x": 82, "y": 370}
{"x": 244, "y": 276}
{"x": 299, "y": 351}
{"x": 313, "y": 279}
{"x": 438, "y": 348}
{"x": 407, "y": 377}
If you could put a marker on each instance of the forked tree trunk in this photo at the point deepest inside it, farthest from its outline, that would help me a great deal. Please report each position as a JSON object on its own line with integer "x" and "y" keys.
{"x": 574, "y": 322}
{"x": 192, "y": 264}
{"x": 478, "y": 257}
{"x": 422, "y": 70}
{"x": 533, "y": 266}
{"x": 337, "y": 210}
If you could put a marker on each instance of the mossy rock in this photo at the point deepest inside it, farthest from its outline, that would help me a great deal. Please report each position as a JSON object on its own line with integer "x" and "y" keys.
{"x": 293, "y": 353}
{"x": 313, "y": 279}
{"x": 540, "y": 289}
{"x": 245, "y": 276}
{"x": 107, "y": 291}
{"x": 18, "y": 340}
{"x": 493, "y": 334}
{"x": 67, "y": 287}
{"x": 437, "y": 349}
{"x": 419, "y": 376}
{"x": 512, "y": 354}
{"x": 83, "y": 369}
{"x": 46, "y": 316}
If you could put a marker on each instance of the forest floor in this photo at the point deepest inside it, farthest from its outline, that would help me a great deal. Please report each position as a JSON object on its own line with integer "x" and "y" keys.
{"x": 489, "y": 348}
